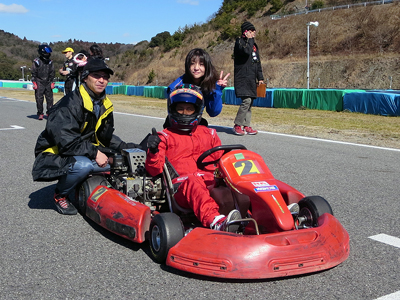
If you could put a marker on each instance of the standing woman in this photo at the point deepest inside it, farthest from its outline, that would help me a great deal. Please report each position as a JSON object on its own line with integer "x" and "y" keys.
{"x": 200, "y": 71}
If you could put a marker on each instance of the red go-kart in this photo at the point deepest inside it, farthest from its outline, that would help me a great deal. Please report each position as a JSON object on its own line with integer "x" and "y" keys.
{"x": 283, "y": 233}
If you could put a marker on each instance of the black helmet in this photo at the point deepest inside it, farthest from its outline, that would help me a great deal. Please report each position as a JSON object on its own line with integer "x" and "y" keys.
{"x": 186, "y": 93}
{"x": 45, "y": 51}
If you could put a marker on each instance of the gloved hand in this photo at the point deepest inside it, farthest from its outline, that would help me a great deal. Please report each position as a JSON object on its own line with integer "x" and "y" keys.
{"x": 53, "y": 85}
{"x": 153, "y": 141}
{"x": 34, "y": 85}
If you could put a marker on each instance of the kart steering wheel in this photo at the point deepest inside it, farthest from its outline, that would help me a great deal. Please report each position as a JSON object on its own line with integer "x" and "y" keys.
{"x": 226, "y": 148}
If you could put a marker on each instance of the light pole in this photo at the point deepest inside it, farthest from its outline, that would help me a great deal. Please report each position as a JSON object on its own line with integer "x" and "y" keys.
{"x": 22, "y": 69}
{"x": 308, "y": 50}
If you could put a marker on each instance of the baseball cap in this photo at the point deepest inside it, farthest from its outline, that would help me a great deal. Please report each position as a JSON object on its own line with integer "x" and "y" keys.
{"x": 95, "y": 64}
{"x": 68, "y": 49}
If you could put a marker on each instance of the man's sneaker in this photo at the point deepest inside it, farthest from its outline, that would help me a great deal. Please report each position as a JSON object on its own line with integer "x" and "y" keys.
{"x": 64, "y": 206}
{"x": 222, "y": 223}
{"x": 238, "y": 130}
{"x": 40, "y": 117}
{"x": 250, "y": 130}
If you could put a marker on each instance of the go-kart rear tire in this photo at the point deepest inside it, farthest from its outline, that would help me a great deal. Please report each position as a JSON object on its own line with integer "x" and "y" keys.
{"x": 84, "y": 190}
{"x": 166, "y": 230}
{"x": 313, "y": 207}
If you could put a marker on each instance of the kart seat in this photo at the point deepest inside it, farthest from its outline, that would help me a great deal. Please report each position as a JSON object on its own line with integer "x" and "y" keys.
{"x": 228, "y": 199}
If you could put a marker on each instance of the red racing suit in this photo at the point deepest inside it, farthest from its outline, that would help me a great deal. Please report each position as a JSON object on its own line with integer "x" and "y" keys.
{"x": 182, "y": 150}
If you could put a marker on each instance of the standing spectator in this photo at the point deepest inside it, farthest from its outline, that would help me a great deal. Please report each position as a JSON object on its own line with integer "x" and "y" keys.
{"x": 200, "y": 71}
{"x": 69, "y": 70}
{"x": 248, "y": 71}
{"x": 42, "y": 79}
{"x": 80, "y": 61}
{"x": 96, "y": 52}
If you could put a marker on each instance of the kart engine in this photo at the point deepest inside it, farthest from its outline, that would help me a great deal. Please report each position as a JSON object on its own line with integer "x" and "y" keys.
{"x": 128, "y": 175}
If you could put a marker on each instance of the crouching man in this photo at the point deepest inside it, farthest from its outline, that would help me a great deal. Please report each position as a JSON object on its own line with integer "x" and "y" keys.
{"x": 78, "y": 133}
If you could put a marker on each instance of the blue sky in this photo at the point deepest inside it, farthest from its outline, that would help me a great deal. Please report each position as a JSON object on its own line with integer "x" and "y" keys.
{"x": 101, "y": 21}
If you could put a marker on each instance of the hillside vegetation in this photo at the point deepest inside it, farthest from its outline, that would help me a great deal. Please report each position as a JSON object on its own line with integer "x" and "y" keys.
{"x": 351, "y": 48}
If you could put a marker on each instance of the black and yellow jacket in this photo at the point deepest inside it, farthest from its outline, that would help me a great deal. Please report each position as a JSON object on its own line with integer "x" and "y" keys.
{"x": 73, "y": 129}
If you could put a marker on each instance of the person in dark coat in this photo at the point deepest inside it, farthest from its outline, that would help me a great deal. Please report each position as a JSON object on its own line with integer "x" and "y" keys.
{"x": 78, "y": 134}
{"x": 248, "y": 74}
{"x": 42, "y": 79}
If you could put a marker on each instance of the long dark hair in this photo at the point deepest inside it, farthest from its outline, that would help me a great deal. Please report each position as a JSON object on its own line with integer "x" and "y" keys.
{"x": 210, "y": 77}
{"x": 96, "y": 51}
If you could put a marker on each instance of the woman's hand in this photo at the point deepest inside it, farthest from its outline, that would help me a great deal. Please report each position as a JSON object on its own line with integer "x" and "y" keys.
{"x": 223, "y": 80}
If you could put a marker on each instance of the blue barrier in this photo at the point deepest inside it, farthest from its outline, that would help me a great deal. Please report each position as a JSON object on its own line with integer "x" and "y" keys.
{"x": 376, "y": 103}
{"x": 229, "y": 97}
{"x": 109, "y": 90}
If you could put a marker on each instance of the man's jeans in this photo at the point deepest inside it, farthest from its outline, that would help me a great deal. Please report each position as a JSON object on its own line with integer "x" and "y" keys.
{"x": 77, "y": 173}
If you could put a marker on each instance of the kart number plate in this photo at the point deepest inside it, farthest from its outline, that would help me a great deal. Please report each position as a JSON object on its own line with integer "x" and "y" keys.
{"x": 245, "y": 167}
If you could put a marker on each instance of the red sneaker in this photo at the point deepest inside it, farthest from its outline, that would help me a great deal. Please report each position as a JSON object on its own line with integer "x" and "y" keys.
{"x": 250, "y": 130}
{"x": 40, "y": 117}
{"x": 238, "y": 130}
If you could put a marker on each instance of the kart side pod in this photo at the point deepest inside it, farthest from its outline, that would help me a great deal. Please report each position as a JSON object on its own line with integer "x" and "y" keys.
{"x": 118, "y": 213}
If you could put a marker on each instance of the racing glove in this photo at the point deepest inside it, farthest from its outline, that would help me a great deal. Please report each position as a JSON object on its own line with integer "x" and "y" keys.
{"x": 34, "y": 85}
{"x": 53, "y": 85}
{"x": 153, "y": 141}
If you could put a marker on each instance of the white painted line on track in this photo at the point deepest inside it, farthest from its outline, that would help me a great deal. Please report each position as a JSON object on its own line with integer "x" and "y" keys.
{"x": 387, "y": 239}
{"x": 394, "y": 296}
{"x": 287, "y": 135}
{"x": 13, "y": 127}
{"x": 392, "y": 241}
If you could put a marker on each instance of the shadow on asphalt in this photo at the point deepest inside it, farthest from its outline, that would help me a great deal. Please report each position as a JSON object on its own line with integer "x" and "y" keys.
{"x": 43, "y": 198}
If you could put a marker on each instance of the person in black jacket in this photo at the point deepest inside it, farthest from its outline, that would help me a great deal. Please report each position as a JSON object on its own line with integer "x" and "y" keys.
{"x": 78, "y": 133}
{"x": 42, "y": 79}
{"x": 248, "y": 71}
{"x": 69, "y": 70}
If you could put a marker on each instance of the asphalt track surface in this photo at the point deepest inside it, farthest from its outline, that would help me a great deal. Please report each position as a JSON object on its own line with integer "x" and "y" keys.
{"x": 45, "y": 255}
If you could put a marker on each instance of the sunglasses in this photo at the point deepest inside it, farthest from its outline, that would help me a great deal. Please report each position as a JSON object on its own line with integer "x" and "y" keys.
{"x": 100, "y": 75}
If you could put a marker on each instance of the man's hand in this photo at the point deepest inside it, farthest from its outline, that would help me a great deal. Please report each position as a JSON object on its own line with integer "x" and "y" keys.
{"x": 34, "y": 85}
{"x": 53, "y": 85}
{"x": 101, "y": 159}
{"x": 153, "y": 141}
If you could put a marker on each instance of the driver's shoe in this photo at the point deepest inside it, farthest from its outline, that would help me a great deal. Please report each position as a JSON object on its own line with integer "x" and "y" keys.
{"x": 64, "y": 206}
{"x": 223, "y": 223}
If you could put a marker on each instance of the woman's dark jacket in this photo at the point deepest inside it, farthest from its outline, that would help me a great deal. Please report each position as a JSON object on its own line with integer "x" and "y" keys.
{"x": 73, "y": 129}
{"x": 247, "y": 70}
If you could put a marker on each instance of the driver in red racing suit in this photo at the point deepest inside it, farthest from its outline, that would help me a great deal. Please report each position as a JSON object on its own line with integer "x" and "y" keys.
{"x": 182, "y": 143}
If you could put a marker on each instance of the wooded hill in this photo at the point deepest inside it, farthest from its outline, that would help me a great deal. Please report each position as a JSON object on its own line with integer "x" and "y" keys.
{"x": 351, "y": 48}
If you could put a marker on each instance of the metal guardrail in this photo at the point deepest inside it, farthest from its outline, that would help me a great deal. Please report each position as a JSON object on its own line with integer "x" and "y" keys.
{"x": 305, "y": 11}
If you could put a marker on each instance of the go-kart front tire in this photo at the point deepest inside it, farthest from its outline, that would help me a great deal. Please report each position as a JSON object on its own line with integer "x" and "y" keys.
{"x": 84, "y": 190}
{"x": 312, "y": 207}
{"x": 166, "y": 230}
